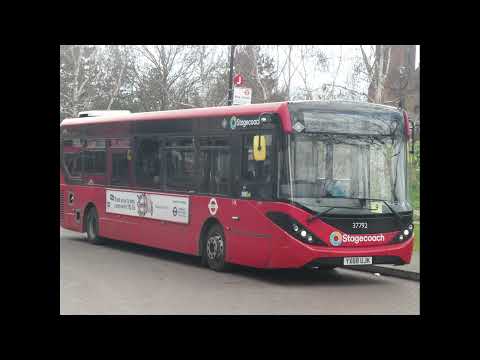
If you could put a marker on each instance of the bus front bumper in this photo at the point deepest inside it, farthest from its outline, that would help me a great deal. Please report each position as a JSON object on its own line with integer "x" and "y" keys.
{"x": 297, "y": 255}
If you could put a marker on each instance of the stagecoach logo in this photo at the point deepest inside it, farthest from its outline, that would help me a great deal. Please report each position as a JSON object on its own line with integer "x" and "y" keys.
{"x": 144, "y": 205}
{"x": 235, "y": 122}
{"x": 174, "y": 211}
{"x": 337, "y": 239}
{"x": 213, "y": 206}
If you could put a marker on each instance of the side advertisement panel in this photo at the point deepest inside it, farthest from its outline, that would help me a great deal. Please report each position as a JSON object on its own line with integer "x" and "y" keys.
{"x": 153, "y": 206}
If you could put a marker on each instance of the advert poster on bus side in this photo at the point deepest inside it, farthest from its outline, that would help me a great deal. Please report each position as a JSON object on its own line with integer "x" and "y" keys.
{"x": 152, "y": 206}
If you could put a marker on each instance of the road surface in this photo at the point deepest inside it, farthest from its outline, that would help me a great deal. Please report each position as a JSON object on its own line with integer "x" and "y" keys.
{"x": 121, "y": 278}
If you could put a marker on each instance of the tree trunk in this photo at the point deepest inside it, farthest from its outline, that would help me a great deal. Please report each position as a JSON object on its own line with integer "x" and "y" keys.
{"x": 379, "y": 75}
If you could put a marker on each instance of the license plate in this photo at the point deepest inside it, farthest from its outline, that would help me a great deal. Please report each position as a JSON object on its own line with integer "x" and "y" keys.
{"x": 358, "y": 260}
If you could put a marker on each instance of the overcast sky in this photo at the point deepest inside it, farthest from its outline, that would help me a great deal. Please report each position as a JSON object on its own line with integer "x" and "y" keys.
{"x": 343, "y": 55}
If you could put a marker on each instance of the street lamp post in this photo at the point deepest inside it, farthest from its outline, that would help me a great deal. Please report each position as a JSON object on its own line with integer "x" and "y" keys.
{"x": 230, "y": 78}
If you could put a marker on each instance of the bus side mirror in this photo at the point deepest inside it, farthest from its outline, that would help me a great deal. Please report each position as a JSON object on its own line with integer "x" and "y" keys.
{"x": 259, "y": 148}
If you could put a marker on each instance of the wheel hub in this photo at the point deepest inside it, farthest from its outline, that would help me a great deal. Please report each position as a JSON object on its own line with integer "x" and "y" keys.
{"x": 214, "y": 247}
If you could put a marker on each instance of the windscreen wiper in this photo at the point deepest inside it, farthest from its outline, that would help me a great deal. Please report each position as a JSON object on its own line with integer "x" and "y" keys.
{"x": 320, "y": 214}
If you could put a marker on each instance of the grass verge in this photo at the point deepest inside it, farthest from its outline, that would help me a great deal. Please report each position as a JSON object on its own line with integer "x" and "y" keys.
{"x": 416, "y": 242}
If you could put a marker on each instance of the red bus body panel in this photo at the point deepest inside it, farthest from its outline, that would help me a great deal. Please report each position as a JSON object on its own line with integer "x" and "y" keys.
{"x": 254, "y": 240}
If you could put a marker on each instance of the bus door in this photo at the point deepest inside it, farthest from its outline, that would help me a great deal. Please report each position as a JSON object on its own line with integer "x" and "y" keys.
{"x": 253, "y": 183}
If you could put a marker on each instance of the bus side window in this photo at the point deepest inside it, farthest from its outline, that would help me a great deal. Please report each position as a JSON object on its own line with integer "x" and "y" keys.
{"x": 94, "y": 162}
{"x": 256, "y": 171}
{"x": 73, "y": 163}
{"x": 148, "y": 162}
{"x": 120, "y": 168}
{"x": 179, "y": 160}
{"x": 215, "y": 166}
{"x": 72, "y": 159}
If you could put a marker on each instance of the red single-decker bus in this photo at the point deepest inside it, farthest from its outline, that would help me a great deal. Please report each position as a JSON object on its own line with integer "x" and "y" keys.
{"x": 278, "y": 185}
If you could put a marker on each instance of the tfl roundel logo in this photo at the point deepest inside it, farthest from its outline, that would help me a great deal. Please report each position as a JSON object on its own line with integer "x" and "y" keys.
{"x": 336, "y": 238}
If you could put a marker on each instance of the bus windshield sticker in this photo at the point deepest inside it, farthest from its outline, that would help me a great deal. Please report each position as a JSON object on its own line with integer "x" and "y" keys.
{"x": 376, "y": 207}
{"x": 152, "y": 206}
{"x": 298, "y": 126}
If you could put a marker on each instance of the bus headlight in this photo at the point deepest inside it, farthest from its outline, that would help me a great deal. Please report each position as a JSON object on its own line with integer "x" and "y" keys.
{"x": 404, "y": 235}
{"x": 293, "y": 228}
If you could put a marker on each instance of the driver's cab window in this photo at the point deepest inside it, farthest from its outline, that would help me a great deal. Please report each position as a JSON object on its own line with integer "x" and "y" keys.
{"x": 311, "y": 167}
{"x": 342, "y": 170}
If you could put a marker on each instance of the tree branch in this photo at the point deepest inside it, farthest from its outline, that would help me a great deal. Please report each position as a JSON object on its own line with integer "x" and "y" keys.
{"x": 365, "y": 60}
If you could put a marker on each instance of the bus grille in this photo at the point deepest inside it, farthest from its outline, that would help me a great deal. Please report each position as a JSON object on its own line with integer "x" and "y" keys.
{"x": 62, "y": 209}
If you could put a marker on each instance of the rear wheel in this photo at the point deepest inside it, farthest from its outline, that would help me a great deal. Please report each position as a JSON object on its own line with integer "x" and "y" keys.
{"x": 213, "y": 253}
{"x": 92, "y": 227}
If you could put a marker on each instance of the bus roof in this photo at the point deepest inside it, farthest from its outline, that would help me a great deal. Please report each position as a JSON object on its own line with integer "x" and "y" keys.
{"x": 236, "y": 110}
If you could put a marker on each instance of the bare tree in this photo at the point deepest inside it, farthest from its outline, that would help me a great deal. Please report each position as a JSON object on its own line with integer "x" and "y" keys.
{"x": 253, "y": 53}
{"x": 122, "y": 57}
{"x": 378, "y": 69}
{"x": 171, "y": 71}
{"x": 79, "y": 73}
{"x": 161, "y": 77}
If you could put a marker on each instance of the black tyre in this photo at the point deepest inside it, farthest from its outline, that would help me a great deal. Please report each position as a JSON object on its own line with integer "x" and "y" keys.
{"x": 214, "y": 249}
{"x": 92, "y": 227}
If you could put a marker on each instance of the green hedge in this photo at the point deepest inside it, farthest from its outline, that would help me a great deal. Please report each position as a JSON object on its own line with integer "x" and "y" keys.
{"x": 414, "y": 176}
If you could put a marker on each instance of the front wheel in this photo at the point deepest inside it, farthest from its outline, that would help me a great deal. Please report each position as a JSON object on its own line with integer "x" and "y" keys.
{"x": 92, "y": 227}
{"x": 214, "y": 249}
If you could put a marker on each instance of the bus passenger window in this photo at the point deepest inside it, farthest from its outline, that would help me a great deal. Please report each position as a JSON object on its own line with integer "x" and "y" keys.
{"x": 73, "y": 163}
{"x": 72, "y": 157}
{"x": 94, "y": 162}
{"x": 148, "y": 163}
{"x": 94, "y": 167}
{"x": 215, "y": 166}
{"x": 252, "y": 170}
{"x": 119, "y": 168}
{"x": 179, "y": 160}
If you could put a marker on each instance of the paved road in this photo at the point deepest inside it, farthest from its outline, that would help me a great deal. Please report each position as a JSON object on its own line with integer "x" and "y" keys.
{"x": 120, "y": 278}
